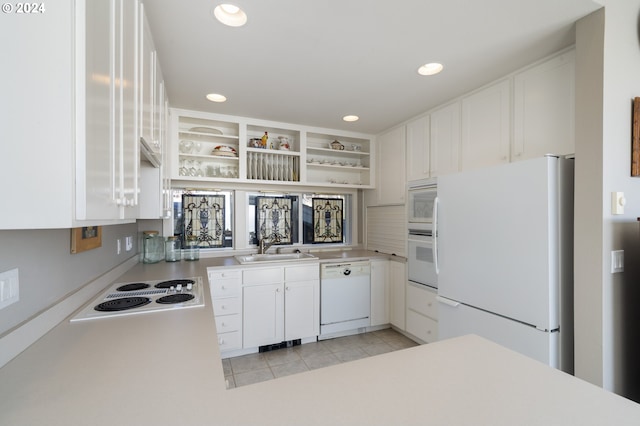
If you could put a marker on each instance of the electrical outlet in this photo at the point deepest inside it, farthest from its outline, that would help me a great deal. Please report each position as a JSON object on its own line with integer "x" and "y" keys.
{"x": 119, "y": 246}
{"x": 9, "y": 288}
{"x": 128, "y": 243}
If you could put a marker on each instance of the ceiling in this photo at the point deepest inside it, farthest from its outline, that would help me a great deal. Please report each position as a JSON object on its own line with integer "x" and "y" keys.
{"x": 312, "y": 62}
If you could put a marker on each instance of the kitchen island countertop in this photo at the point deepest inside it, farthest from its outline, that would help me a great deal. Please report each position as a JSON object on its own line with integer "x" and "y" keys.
{"x": 164, "y": 368}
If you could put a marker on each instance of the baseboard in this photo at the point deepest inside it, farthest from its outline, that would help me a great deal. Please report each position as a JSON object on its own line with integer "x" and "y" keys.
{"x": 23, "y": 336}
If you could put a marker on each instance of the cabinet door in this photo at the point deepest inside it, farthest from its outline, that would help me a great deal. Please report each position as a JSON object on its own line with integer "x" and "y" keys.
{"x": 379, "y": 292}
{"x": 127, "y": 146}
{"x": 485, "y": 127}
{"x": 263, "y": 315}
{"x": 544, "y": 109}
{"x": 418, "y": 146}
{"x": 445, "y": 140}
{"x": 97, "y": 169}
{"x": 397, "y": 282}
{"x": 302, "y": 309}
{"x": 391, "y": 161}
{"x": 147, "y": 82}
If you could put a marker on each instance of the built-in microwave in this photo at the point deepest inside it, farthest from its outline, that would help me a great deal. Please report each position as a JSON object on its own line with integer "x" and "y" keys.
{"x": 421, "y": 201}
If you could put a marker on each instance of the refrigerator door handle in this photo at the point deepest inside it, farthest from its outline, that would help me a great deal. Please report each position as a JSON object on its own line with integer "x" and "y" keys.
{"x": 435, "y": 235}
{"x": 447, "y": 302}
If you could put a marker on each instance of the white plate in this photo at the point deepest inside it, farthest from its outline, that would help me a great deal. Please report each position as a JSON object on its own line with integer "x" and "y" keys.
{"x": 210, "y": 130}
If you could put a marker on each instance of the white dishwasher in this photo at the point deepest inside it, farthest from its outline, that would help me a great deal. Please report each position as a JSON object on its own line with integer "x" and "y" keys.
{"x": 345, "y": 298}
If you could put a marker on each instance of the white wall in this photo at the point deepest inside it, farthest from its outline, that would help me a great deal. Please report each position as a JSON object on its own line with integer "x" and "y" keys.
{"x": 48, "y": 271}
{"x": 607, "y": 319}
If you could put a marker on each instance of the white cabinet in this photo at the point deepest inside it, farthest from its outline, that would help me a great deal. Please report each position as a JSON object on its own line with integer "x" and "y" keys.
{"x": 445, "y": 139}
{"x": 397, "y": 280}
{"x": 214, "y": 147}
{"x": 79, "y": 136}
{"x": 544, "y": 108}
{"x": 347, "y": 163}
{"x": 418, "y": 147}
{"x": 155, "y": 183}
{"x": 107, "y": 154}
{"x": 422, "y": 312}
{"x": 379, "y": 292}
{"x": 486, "y": 127}
{"x": 280, "y": 303}
{"x": 390, "y": 180}
{"x": 226, "y": 295}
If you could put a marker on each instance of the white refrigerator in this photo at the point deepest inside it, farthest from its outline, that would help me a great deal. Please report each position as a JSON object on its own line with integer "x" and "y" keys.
{"x": 505, "y": 257}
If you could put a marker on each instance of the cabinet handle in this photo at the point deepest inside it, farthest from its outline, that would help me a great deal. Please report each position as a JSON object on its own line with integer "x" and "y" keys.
{"x": 287, "y": 288}
{"x": 223, "y": 324}
{"x": 277, "y": 290}
{"x": 222, "y": 287}
{"x": 221, "y": 341}
{"x": 223, "y": 307}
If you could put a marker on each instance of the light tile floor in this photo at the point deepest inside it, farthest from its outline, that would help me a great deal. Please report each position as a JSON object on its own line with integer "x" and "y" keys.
{"x": 254, "y": 368}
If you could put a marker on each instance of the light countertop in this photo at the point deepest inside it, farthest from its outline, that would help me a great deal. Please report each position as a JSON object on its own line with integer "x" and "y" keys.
{"x": 164, "y": 368}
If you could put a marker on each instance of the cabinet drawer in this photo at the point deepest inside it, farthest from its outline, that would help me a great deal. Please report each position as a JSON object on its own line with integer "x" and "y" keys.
{"x": 225, "y": 288}
{"x": 262, "y": 276}
{"x": 302, "y": 272}
{"x": 424, "y": 328}
{"x": 224, "y": 274}
{"x": 227, "y": 306}
{"x": 228, "y": 323}
{"x": 422, "y": 300}
{"x": 228, "y": 341}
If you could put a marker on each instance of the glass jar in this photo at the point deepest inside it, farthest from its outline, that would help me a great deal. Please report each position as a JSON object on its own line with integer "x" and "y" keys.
{"x": 172, "y": 250}
{"x": 192, "y": 250}
{"x": 153, "y": 247}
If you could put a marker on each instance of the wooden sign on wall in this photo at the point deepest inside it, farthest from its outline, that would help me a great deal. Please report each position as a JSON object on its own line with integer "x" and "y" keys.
{"x": 635, "y": 138}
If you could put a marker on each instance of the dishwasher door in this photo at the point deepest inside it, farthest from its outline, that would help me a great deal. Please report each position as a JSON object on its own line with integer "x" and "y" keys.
{"x": 345, "y": 297}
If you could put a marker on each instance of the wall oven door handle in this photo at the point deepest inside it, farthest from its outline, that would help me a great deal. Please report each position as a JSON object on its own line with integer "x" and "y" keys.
{"x": 435, "y": 235}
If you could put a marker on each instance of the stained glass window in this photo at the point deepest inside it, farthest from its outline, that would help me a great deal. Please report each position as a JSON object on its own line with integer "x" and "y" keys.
{"x": 274, "y": 219}
{"x": 327, "y": 220}
{"x": 204, "y": 218}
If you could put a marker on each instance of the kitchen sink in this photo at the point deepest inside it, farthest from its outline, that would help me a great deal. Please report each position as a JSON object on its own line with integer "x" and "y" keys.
{"x": 276, "y": 257}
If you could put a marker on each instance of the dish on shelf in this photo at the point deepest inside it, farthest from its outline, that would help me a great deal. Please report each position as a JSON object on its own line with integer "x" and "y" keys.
{"x": 210, "y": 130}
{"x": 186, "y": 146}
{"x": 224, "y": 151}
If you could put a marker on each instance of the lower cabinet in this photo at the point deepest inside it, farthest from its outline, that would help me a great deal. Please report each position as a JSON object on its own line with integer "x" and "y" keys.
{"x": 422, "y": 312}
{"x": 226, "y": 295}
{"x": 397, "y": 282}
{"x": 379, "y": 292}
{"x": 280, "y": 303}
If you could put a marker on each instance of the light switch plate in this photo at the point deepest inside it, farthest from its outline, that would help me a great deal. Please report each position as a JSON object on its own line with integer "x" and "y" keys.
{"x": 617, "y": 202}
{"x": 9, "y": 288}
{"x": 617, "y": 261}
{"x": 128, "y": 243}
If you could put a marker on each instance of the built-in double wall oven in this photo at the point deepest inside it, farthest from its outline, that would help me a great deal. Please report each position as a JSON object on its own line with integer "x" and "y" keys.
{"x": 422, "y": 223}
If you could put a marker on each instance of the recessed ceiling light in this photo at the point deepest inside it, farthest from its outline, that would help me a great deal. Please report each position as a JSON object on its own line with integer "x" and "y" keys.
{"x": 350, "y": 118}
{"x": 230, "y": 14}
{"x": 430, "y": 69}
{"x": 215, "y": 97}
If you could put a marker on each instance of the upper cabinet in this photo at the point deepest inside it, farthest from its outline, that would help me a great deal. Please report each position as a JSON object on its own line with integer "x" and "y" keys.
{"x": 486, "y": 127}
{"x": 390, "y": 185}
{"x": 213, "y": 147}
{"x": 544, "y": 108}
{"x": 445, "y": 139}
{"x": 75, "y": 152}
{"x": 418, "y": 149}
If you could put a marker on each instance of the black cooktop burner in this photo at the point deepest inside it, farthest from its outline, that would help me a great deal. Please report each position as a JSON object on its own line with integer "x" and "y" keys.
{"x": 122, "y": 304}
{"x": 175, "y": 298}
{"x": 132, "y": 287}
{"x": 174, "y": 283}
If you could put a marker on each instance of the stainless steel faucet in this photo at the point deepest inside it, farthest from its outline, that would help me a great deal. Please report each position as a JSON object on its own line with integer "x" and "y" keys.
{"x": 264, "y": 246}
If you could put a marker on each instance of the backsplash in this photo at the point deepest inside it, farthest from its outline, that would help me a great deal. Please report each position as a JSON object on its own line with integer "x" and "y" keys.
{"x": 48, "y": 272}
